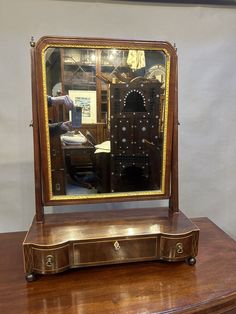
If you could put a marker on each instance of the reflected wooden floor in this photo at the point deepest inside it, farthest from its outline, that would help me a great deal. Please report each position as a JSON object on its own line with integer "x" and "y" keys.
{"x": 147, "y": 287}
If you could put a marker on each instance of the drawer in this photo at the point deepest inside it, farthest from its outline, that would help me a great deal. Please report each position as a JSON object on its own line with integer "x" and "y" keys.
{"x": 50, "y": 260}
{"x": 120, "y": 250}
{"x": 176, "y": 248}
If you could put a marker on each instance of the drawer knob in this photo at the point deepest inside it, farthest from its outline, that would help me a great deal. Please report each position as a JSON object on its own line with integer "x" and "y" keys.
{"x": 49, "y": 261}
{"x": 54, "y": 153}
{"x": 179, "y": 248}
{"x": 58, "y": 187}
{"x": 117, "y": 245}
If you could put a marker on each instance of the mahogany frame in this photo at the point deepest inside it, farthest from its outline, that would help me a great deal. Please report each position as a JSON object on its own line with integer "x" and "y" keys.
{"x": 39, "y": 125}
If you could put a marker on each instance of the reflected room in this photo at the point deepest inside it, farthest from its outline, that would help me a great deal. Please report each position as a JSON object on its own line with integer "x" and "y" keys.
{"x": 116, "y": 136}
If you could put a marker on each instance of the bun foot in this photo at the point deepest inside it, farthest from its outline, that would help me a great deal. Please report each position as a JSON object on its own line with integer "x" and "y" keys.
{"x": 30, "y": 277}
{"x": 191, "y": 261}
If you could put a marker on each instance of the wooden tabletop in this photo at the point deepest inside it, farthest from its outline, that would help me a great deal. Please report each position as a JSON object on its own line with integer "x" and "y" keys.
{"x": 147, "y": 287}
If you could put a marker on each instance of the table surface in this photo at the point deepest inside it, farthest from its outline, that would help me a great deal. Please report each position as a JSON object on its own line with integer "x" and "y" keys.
{"x": 146, "y": 287}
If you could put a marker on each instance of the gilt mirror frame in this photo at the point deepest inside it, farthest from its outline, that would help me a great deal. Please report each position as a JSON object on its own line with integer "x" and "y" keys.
{"x": 169, "y": 183}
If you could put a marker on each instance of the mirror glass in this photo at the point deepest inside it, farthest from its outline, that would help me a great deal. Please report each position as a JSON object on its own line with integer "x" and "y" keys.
{"x": 113, "y": 139}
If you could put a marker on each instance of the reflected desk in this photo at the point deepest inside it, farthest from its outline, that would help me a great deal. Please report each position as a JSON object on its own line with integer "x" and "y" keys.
{"x": 78, "y": 160}
{"x": 146, "y": 287}
{"x": 81, "y": 159}
{"x": 66, "y": 160}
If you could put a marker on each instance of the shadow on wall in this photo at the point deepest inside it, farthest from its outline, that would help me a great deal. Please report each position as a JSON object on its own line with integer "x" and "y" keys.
{"x": 17, "y": 196}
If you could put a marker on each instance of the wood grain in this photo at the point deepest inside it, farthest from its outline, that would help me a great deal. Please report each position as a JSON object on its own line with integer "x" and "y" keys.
{"x": 141, "y": 235}
{"x": 146, "y": 287}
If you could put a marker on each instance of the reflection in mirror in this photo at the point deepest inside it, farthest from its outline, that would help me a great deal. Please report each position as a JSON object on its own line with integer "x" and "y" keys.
{"x": 115, "y": 140}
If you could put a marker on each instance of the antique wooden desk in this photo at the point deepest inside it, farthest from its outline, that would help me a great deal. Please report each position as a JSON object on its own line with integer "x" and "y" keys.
{"x": 82, "y": 158}
{"x": 146, "y": 287}
{"x": 78, "y": 157}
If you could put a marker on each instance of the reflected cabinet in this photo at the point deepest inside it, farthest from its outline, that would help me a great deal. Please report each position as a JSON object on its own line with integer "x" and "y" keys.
{"x": 113, "y": 138}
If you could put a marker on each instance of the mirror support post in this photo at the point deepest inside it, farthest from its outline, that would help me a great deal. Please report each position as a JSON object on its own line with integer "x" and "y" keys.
{"x": 37, "y": 159}
{"x": 174, "y": 199}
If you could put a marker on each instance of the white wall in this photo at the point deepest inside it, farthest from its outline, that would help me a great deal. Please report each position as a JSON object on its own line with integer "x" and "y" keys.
{"x": 205, "y": 37}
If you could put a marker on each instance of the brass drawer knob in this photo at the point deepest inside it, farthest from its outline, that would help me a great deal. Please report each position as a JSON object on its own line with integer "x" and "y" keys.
{"x": 58, "y": 187}
{"x": 179, "y": 248}
{"x": 54, "y": 153}
{"x": 49, "y": 260}
{"x": 117, "y": 245}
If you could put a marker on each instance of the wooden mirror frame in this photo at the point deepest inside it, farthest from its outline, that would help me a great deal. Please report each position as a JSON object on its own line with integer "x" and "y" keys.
{"x": 44, "y": 195}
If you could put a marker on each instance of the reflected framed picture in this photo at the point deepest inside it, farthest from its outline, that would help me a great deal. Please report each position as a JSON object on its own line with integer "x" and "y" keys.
{"x": 87, "y": 101}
